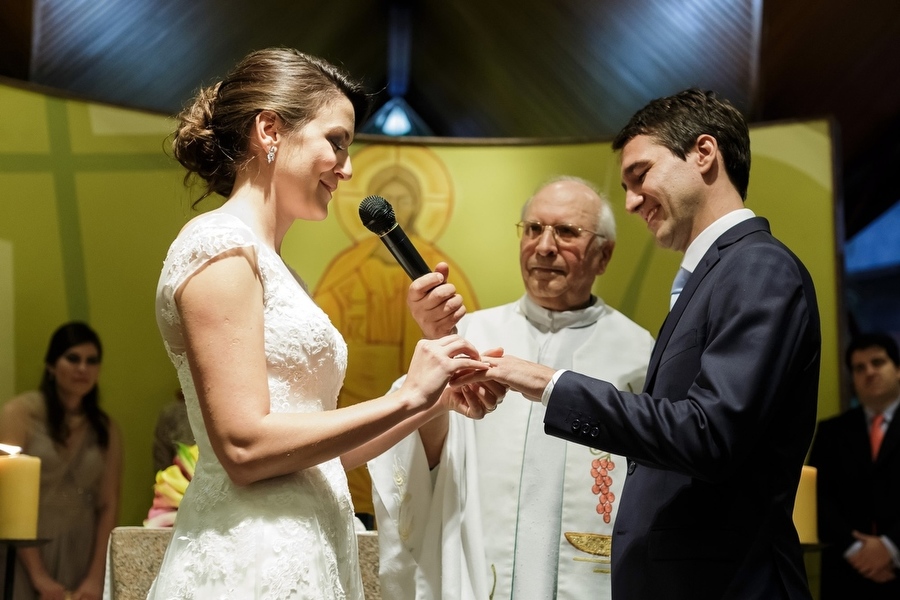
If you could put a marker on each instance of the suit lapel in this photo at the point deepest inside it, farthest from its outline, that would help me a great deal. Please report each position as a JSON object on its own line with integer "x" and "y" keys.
{"x": 710, "y": 259}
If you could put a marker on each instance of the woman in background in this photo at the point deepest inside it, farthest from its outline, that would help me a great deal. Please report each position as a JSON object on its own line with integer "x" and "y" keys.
{"x": 268, "y": 512}
{"x": 81, "y": 464}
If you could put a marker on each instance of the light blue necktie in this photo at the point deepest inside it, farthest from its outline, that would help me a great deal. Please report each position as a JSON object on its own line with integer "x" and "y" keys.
{"x": 680, "y": 279}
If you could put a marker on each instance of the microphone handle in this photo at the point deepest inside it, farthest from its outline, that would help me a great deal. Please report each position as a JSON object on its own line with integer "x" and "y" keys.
{"x": 405, "y": 253}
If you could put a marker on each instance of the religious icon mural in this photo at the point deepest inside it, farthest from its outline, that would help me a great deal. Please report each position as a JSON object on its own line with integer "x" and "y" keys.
{"x": 363, "y": 289}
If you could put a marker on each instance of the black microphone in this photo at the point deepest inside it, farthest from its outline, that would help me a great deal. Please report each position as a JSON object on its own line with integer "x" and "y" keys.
{"x": 378, "y": 217}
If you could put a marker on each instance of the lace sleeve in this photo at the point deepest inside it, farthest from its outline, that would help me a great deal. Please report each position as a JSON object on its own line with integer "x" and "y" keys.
{"x": 204, "y": 238}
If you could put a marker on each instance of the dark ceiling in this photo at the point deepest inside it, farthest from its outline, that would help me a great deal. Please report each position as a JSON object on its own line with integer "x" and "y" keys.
{"x": 507, "y": 68}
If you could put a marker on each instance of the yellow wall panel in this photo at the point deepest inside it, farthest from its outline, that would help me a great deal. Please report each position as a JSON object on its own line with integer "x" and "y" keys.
{"x": 29, "y": 223}
{"x": 89, "y": 202}
{"x": 23, "y": 126}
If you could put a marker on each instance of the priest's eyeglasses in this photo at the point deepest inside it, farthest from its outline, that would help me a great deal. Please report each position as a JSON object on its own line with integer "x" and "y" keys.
{"x": 563, "y": 233}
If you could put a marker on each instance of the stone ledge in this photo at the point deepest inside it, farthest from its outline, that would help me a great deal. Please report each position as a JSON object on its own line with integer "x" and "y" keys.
{"x": 135, "y": 554}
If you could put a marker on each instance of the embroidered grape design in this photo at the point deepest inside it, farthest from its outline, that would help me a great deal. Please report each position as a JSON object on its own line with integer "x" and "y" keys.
{"x": 600, "y": 471}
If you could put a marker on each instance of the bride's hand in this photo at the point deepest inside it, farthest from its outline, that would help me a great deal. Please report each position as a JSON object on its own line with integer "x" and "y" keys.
{"x": 435, "y": 363}
{"x": 475, "y": 400}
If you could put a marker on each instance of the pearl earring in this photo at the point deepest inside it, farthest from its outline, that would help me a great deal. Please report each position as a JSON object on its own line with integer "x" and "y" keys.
{"x": 270, "y": 155}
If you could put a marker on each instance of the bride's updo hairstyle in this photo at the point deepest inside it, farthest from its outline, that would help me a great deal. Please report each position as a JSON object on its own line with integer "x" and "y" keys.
{"x": 213, "y": 133}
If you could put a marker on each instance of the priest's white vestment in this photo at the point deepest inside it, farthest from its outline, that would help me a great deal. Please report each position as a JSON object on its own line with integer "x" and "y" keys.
{"x": 510, "y": 508}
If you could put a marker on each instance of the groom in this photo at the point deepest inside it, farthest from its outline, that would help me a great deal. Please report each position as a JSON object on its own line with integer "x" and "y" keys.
{"x": 717, "y": 439}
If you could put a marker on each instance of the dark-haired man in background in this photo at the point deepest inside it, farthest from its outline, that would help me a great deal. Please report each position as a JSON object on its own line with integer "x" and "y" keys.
{"x": 857, "y": 455}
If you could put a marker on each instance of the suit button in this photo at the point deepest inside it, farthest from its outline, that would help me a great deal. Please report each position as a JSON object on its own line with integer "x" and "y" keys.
{"x": 585, "y": 428}
{"x": 576, "y": 425}
{"x": 595, "y": 431}
{"x": 631, "y": 466}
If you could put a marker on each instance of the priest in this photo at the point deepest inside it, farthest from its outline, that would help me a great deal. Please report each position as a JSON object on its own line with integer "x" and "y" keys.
{"x": 495, "y": 508}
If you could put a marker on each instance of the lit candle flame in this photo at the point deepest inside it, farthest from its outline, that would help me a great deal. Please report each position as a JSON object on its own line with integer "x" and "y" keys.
{"x": 10, "y": 449}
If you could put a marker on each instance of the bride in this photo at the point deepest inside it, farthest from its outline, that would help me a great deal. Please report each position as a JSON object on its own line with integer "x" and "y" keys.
{"x": 268, "y": 513}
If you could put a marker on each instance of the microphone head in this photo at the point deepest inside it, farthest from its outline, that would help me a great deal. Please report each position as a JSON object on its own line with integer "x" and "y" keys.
{"x": 377, "y": 215}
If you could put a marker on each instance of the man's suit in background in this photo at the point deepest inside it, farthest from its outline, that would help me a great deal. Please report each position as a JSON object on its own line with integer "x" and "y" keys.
{"x": 855, "y": 493}
{"x": 717, "y": 440}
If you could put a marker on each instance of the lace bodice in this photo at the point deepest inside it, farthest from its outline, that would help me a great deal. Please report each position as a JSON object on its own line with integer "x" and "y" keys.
{"x": 306, "y": 355}
{"x": 287, "y": 537}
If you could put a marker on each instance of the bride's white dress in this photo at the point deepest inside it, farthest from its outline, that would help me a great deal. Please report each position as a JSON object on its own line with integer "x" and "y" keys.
{"x": 287, "y": 537}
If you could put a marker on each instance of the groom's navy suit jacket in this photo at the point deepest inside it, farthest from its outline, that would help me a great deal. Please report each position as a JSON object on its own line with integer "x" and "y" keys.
{"x": 716, "y": 441}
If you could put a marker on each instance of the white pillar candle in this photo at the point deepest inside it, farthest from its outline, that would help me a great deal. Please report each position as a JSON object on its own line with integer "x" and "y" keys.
{"x": 20, "y": 486}
{"x": 805, "y": 513}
